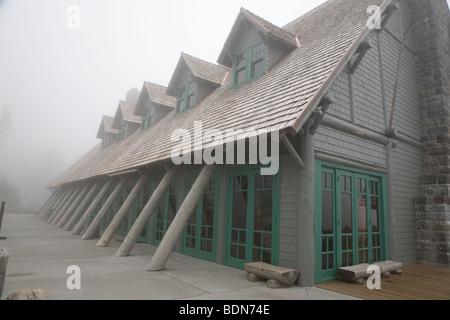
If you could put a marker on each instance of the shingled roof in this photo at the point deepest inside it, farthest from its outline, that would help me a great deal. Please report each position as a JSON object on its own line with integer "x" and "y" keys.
{"x": 199, "y": 69}
{"x": 125, "y": 111}
{"x": 282, "y": 99}
{"x": 265, "y": 27}
{"x": 157, "y": 95}
{"x": 105, "y": 127}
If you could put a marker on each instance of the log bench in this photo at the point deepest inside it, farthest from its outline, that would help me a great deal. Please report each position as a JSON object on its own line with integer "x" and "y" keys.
{"x": 358, "y": 273}
{"x": 277, "y": 277}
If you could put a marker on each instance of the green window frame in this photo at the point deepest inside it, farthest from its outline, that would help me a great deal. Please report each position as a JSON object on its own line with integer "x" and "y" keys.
{"x": 122, "y": 134}
{"x": 165, "y": 212}
{"x": 200, "y": 234}
{"x": 187, "y": 96}
{"x": 105, "y": 142}
{"x": 147, "y": 120}
{"x": 253, "y": 215}
{"x": 351, "y": 218}
{"x": 250, "y": 64}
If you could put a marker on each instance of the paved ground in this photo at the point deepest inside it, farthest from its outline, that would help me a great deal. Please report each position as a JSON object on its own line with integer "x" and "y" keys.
{"x": 40, "y": 254}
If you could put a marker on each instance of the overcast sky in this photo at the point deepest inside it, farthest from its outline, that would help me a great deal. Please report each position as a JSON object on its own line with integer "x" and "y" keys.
{"x": 64, "y": 64}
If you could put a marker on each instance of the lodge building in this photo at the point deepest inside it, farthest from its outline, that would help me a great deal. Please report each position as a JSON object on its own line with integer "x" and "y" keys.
{"x": 357, "y": 92}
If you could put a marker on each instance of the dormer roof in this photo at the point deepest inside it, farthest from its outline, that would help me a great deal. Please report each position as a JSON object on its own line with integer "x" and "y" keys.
{"x": 267, "y": 28}
{"x": 106, "y": 127}
{"x": 157, "y": 95}
{"x": 199, "y": 70}
{"x": 125, "y": 111}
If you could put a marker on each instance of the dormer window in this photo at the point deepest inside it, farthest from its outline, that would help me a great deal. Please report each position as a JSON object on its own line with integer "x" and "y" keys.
{"x": 122, "y": 134}
{"x": 147, "y": 119}
{"x": 258, "y": 57}
{"x": 186, "y": 97}
{"x": 250, "y": 64}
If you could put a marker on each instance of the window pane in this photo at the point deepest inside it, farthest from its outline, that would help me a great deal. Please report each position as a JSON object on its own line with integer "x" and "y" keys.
{"x": 362, "y": 213}
{"x": 240, "y": 71}
{"x": 240, "y": 76}
{"x": 258, "y": 68}
{"x": 375, "y": 214}
{"x": 346, "y": 207}
{"x": 327, "y": 212}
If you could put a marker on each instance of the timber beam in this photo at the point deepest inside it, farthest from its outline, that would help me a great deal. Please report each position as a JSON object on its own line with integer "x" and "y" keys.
{"x": 298, "y": 160}
{"x": 68, "y": 205}
{"x": 123, "y": 211}
{"x": 79, "y": 227}
{"x": 147, "y": 213}
{"x": 172, "y": 235}
{"x": 69, "y": 224}
{"x": 95, "y": 225}
{"x": 73, "y": 207}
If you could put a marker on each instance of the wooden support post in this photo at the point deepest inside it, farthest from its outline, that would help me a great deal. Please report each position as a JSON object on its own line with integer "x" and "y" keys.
{"x": 2, "y": 212}
{"x": 46, "y": 204}
{"x": 93, "y": 206}
{"x": 305, "y": 253}
{"x": 162, "y": 254}
{"x": 123, "y": 211}
{"x": 59, "y": 205}
{"x": 4, "y": 256}
{"x": 73, "y": 207}
{"x": 341, "y": 125}
{"x": 68, "y": 226}
{"x": 95, "y": 225}
{"x": 68, "y": 204}
{"x": 54, "y": 204}
{"x": 147, "y": 212}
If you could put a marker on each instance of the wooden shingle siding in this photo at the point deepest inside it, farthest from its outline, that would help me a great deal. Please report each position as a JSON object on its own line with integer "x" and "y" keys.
{"x": 369, "y": 109}
{"x": 340, "y": 91}
{"x": 347, "y": 146}
{"x": 407, "y": 165}
{"x": 289, "y": 208}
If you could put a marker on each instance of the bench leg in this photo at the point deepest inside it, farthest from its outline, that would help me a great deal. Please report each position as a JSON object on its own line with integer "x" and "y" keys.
{"x": 251, "y": 277}
{"x": 275, "y": 284}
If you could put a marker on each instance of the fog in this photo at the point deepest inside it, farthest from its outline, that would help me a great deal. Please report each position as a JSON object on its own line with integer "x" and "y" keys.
{"x": 64, "y": 64}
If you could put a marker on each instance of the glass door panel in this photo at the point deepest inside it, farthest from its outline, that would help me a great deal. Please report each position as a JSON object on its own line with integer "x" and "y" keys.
{"x": 200, "y": 232}
{"x": 328, "y": 260}
{"x": 252, "y": 218}
{"x": 238, "y": 239}
{"x": 262, "y": 229}
{"x": 346, "y": 220}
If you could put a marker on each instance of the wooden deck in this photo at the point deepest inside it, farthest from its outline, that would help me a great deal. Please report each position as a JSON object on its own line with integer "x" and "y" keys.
{"x": 418, "y": 282}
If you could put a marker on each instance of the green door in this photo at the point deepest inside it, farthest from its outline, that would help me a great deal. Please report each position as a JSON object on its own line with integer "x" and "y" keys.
{"x": 350, "y": 219}
{"x": 200, "y": 235}
{"x": 165, "y": 213}
{"x": 140, "y": 203}
{"x": 252, "y": 229}
{"x": 125, "y": 223}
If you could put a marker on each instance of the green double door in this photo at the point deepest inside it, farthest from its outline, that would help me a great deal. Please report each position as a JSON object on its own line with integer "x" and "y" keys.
{"x": 350, "y": 219}
{"x": 252, "y": 229}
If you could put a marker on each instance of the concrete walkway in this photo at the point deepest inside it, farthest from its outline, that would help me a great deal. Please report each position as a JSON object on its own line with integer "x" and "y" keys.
{"x": 40, "y": 254}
